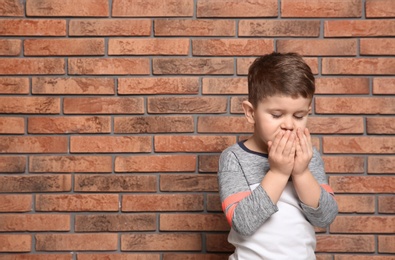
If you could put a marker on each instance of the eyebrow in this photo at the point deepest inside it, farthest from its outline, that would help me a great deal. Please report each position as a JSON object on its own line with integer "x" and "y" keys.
{"x": 282, "y": 110}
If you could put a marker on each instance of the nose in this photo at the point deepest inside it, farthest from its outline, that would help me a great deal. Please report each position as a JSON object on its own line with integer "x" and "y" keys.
{"x": 287, "y": 124}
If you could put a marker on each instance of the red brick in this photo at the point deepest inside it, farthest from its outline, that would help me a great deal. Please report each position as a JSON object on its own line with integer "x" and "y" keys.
{"x": 189, "y": 27}
{"x": 163, "y": 202}
{"x": 32, "y": 66}
{"x": 342, "y": 86}
{"x": 34, "y": 222}
{"x": 386, "y": 204}
{"x": 77, "y": 202}
{"x": 232, "y": 47}
{"x": 114, "y": 183}
{"x": 148, "y": 46}
{"x": 377, "y": 46}
{"x": 321, "y": 8}
{"x": 345, "y": 243}
{"x": 362, "y": 184}
{"x": 167, "y": 143}
{"x": 383, "y": 85}
{"x": 193, "y": 222}
{"x": 218, "y": 243}
{"x": 149, "y": 8}
{"x": 380, "y": 125}
{"x": 222, "y": 124}
{"x": 15, "y": 203}
{"x": 178, "y": 256}
{"x": 355, "y": 204}
{"x": 108, "y": 66}
{"x": 380, "y": 8}
{"x": 32, "y": 27}
{"x": 275, "y": 28}
{"x": 188, "y": 182}
{"x": 363, "y": 224}
{"x": 190, "y": 105}
{"x": 161, "y": 242}
{"x": 37, "y": 257}
{"x": 236, "y": 104}
{"x": 73, "y": 86}
{"x": 187, "y": 85}
{"x": 360, "y": 144}
{"x": 118, "y": 222}
{"x": 224, "y": 86}
{"x": 234, "y": 8}
{"x": 33, "y": 144}
{"x": 358, "y": 66}
{"x": 12, "y": 125}
{"x": 208, "y": 163}
{"x": 14, "y": 86}
{"x": 104, "y": 105}
{"x": 96, "y": 8}
{"x": 381, "y": 165}
{"x": 363, "y": 257}
{"x": 193, "y": 66}
{"x": 214, "y": 202}
{"x": 35, "y": 183}
{"x": 10, "y": 47}
{"x": 110, "y": 144}
{"x": 12, "y": 164}
{"x": 29, "y": 105}
{"x": 354, "y": 105}
{"x": 76, "y": 242}
{"x": 327, "y": 47}
{"x": 63, "y": 47}
{"x": 359, "y": 28}
{"x": 12, "y": 8}
{"x": 155, "y": 163}
{"x": 15, "y": 243}
{"x": 386, "y": 244}
{"x": 110, "y": 27}
{"x": 120, "y": 256}
{"x": 336, "y": 125}
{"x": 344, "y": 164}
{"x": 324, "y": 257}
{"x": 70, "y": 164}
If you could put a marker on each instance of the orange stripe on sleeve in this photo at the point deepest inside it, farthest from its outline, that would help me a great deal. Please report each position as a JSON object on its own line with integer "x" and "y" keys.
{"x": 231, "y": 202}
{"x": 328, "y": 189}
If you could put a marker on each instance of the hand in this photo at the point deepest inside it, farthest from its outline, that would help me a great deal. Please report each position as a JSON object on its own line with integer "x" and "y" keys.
{"x": 304, "y": 151}
{"x": 282, "y": 152}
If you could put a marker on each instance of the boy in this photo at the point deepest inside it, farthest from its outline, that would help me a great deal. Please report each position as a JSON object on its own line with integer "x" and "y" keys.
{"x": 272, "y": 186}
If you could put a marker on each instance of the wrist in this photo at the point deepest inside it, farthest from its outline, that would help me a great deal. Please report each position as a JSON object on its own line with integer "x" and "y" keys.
{"x": 301, "y": 173}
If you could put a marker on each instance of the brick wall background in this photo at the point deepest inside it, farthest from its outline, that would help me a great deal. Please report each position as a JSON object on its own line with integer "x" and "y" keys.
{"x": 114, "y": 113}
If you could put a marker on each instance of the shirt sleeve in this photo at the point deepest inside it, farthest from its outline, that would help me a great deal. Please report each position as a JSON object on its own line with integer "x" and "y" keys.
{"x": 327, "y": 208}
{"x": 245, "y": 210}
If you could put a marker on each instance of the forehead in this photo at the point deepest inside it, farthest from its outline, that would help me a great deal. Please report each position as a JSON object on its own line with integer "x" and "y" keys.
{"x": 285, "y": 103}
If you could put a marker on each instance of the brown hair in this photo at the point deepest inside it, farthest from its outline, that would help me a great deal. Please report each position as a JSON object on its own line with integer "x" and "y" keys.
{"x": 283, "y": 74}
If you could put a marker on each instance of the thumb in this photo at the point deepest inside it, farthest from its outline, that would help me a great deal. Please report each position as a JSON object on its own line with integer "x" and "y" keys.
{"x": 269, "y": 146}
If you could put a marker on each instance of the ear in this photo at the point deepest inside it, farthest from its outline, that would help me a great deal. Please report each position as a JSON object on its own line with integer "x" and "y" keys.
{"x": 249, "y": 111}
{"x": 309, "y": 109}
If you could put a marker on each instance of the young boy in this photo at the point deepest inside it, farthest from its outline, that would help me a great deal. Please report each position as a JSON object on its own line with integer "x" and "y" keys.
{"x": 273, "y": 186}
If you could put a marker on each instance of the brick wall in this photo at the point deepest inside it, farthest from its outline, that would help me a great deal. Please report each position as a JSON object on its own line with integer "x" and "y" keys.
{"x": 114, "y": 112}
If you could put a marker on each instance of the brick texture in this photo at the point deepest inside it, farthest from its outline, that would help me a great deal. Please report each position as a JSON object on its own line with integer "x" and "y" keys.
{"x": 113, "y": 115}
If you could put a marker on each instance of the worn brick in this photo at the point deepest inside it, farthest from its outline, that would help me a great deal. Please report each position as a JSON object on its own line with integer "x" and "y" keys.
{"x": 15, "y": 203}
{"x": 93, "y": 8}
{"x": 120, "y": 256}
{"x": 32, "y": 66}
{"x": 29, "y": 105}
{"x": 104, "y": 105}
{"x": 345, "y": 243}
{"x": 344, "y": 164}
{"x": 76, "y": 242}
{"x": 110, "y": 144}
{"x": 114, "y": 183}
{"x": 327, "y": 47}
{"x": 154, "y": 124}
{"x": 15, "y": 243}
{"x": 37, "y": 257}
{"x": 12, "y": 164}
{"x": 363, "y": 224}
{"x": 118, "y": 222}
{"x": 10, "y": 47}
{"x": 32, "y": 27}
{"x": 214, "y": 202}
{"x": 361, "y": 144}
{"x": 381, "y": 165}
{"x": 377, "y": 46}
{"x": 167, "y": 143}
{"x": 380, "y": 8}
{"x": 321, "y": 8}
{"x": 358, "y": 66}
{"x": 208, "y": 163}
{"x": 77, "y": 202}
{"x": 342, "y": 85}
{"x": 336, "y": 125}
{"x": 33, "y": 144}
{"x": 155, "y": 163}
{"x": 362, "y": 257}
{"x": 70, "y": 164}
{"x": 386, "y": 244}
{"x": 234, "y": 8}
{"x": 232, "y": 47}
{"x": 14, "y": 85}
{"x": 359, "y": 28}
{"x": 224, "y": 86}
{"x": 12, "y": 125}
{"x": 193, "y": 27}
{"x": 278, "y": 28}
{"x": 108, "y": 66}
{"x": 193, "y": 66}
{"x": 383, "y": 86}
{"x": 161, "y": 242}
{"x": 222, "y": 124}
{"x": 380, "y": 125}
{"x": 162, "y": 85}
{"x": 386, "y": 204}
{"x": 195, "y": 105}
{"x": 193, "y": 222}
{"x": 218, "y": 243}
{"x": 355, "y": 204}
{"x": 110, "y": 27}
{"x": 150, "y": 8}
{"x": 34, "y": 222}
{"x": 35, "y": 183}
{"x": 63, "y": 47}
{"x": 236, "y": 104}
{"x": 12, "y": 8}
{"x": 188, "y": 182}
{"x": 198, "y": 256}
{"x": 354, "y": 105}
{"x": 362, "y": 184}
{"x": 163, "y": 202}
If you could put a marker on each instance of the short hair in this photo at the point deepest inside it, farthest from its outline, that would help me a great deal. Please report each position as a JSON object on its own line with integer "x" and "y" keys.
{"x": 285, "y": 74}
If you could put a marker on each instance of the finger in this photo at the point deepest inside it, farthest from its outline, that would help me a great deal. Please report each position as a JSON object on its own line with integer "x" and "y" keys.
{"x": 308, "y": 137}
{"x": 298, "y": 149}
{"x": 288, "y": 146}
{"x": 276, "y": 141}
{"x": 302, "y": 139}
{"x": 269, "y": 146}
{"x": 283, "y": 142}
